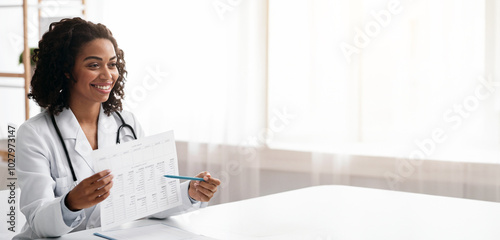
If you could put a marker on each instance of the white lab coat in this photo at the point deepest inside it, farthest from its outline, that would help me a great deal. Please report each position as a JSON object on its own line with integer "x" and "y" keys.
{"x": 45, "y": 178}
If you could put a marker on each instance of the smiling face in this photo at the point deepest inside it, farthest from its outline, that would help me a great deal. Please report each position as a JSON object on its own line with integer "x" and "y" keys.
{"x": 95, "y": 73}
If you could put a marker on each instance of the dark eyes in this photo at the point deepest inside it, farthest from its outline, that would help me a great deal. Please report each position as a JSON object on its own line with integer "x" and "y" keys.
{"x": 96, "y": 65}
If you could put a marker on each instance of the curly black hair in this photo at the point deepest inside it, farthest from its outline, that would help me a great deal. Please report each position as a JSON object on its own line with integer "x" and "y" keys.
{"x": 55, "y": 59}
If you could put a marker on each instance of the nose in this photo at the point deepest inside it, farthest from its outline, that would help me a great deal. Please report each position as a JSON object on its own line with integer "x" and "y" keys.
{"x": 105, "y": 74}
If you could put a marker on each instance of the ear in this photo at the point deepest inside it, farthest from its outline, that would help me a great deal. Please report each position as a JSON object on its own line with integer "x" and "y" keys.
{"x": 69, "y": 77}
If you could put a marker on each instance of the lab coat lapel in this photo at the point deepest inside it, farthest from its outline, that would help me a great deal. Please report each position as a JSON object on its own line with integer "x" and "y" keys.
{"x": 73, "y": 133}
{"x": 68, "y": 125}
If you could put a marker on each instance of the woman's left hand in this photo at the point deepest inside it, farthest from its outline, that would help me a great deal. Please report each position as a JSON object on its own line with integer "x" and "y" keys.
{"x": 203, "y": 190}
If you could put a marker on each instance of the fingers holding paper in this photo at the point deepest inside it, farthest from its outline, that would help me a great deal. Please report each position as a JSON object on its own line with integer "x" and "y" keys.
{"x": 203, "y": 190}
{"x": 90, "y": 191}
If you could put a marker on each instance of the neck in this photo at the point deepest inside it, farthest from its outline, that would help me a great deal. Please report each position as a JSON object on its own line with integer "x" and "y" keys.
{"x": 86, "y": 114}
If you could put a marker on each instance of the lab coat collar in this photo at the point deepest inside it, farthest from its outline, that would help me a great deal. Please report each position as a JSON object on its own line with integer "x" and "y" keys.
{"x": 106, "y": 129}
{"x": 106, "y": 124}
{"x": 66, "y": 120}
{"x": 68, "y": 125}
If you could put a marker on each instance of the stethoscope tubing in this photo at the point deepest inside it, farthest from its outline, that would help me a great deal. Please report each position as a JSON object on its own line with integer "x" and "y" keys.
{"x": 64, "y": 146}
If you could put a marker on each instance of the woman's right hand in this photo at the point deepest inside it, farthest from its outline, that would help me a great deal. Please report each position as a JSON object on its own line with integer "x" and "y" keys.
{"x": 90, "y": 191}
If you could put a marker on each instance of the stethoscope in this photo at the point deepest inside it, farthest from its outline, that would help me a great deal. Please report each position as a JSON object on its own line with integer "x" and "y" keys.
{"x": 124, "y": 125}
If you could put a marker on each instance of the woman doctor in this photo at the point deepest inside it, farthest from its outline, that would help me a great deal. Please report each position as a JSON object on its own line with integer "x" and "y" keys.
{"x": 79, "y": 81}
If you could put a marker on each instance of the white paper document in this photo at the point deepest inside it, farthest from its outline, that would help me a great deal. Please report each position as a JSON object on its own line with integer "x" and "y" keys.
{"x": 139, "y": 188}
{"x": 151, "y": 232}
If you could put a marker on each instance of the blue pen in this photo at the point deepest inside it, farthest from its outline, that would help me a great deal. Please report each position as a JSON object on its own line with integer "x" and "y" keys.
{"x": 104, "y": 236}
{"x": 183, "y": 177}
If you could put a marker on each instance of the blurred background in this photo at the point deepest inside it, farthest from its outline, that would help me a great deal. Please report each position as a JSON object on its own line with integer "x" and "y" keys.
{"x": 274, "y": 95}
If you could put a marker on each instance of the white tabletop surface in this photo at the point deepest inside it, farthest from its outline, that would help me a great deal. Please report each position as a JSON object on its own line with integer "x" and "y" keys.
{"x": 339, "y": 212}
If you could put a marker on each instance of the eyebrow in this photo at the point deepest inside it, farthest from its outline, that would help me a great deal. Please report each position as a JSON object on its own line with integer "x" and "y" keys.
{"x": 97, "y": 58}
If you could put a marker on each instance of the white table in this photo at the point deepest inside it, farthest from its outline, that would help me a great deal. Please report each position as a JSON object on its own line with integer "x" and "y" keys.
{"x": 339, "y": 212}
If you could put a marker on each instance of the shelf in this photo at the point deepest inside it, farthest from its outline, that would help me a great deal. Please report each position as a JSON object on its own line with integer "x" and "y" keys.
{"x": 10, "y": 86}
{"x": 19, "y": 75}
{"x": 76, "y": 5}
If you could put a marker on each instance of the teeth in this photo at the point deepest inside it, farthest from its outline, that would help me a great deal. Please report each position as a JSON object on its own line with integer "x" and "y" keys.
{"x": 106, "y": 87}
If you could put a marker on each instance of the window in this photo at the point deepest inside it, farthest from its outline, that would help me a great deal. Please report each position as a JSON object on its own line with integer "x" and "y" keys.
{"x": 383, "y": 77}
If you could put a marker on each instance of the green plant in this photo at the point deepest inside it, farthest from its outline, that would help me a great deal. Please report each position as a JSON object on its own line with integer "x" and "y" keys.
{"x": 32, "y": 52}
